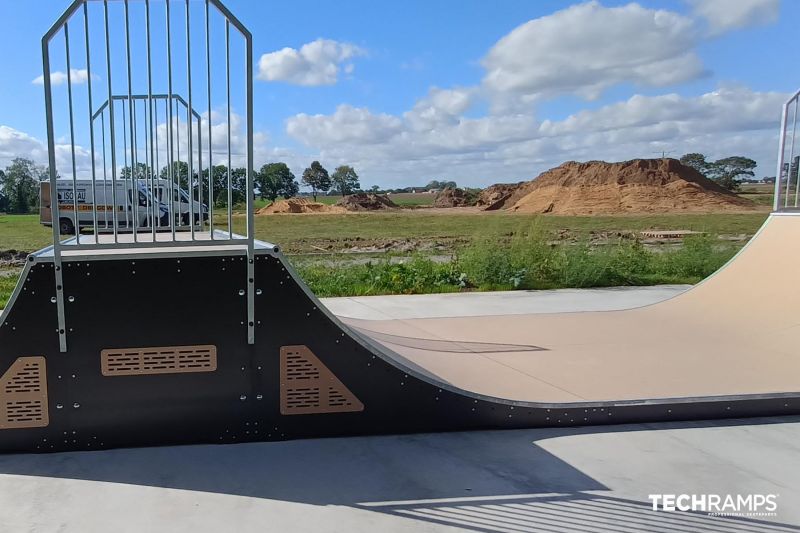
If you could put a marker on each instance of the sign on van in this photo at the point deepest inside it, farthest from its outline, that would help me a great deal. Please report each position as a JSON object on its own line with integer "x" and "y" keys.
{"x": 67, "y": 196}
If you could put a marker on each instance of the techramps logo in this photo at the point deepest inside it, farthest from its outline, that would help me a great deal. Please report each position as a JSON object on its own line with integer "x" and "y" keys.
{"x": 734, "y": 505}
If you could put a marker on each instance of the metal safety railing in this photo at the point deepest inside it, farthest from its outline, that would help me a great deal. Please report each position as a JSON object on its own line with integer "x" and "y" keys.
{"x": 145, "y": 164}
{"x": 787, "y": 175}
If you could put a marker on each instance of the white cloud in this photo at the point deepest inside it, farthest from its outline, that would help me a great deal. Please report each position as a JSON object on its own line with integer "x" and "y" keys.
{"x": 726, "y": 15}
{"x": 78, "y": 75}
{"x": 347, "y": 125}
{"x": 315, "y": 63}
{"x": 587, "y": 48}
{"x": 477, "y": 151}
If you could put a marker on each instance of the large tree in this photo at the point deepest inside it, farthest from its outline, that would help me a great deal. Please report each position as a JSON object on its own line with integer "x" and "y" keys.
{"x": 275, "y": 179}
{"x": 20, "y": 185}
{"x": 140, "y": 171}
{"x": 317, "y": 178}
{"x": 726, "y": 171}
{"x": 696, "y": 161}
{"x": 180, "y": 173}
{"x": 345, "y": 179}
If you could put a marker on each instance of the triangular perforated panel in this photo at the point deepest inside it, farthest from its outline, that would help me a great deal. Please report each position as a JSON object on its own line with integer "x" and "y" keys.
{"x": 23, "y": 394}
{"x": 309, "y": 387}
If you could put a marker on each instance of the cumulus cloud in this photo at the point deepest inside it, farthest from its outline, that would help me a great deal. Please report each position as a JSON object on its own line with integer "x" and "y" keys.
{"x": 57, "y": 77}
{"x": 316, "y": 63}
{"x": 587, "y": 48}
{"x": 479, "y": 151}
{"x": 726, "y": 15}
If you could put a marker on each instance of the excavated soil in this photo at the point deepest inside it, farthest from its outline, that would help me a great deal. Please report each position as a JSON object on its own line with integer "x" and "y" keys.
{"x": 365, "y": 202}
{"x": 450, "y": 197}
{"x": 298, "y": 205}
{"x": 637, "y": 186}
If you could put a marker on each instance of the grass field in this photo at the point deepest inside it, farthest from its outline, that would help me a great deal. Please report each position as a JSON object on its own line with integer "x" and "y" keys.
{"x": 477, "y": 243}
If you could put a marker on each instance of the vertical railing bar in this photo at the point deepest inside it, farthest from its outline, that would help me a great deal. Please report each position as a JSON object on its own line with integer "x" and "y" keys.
{"x": 797, "y": 171}
{"x": 200, "y": 172}
{"x": 791, "y": 158}
{"x": 228, "y": 94}
{"x": 133, "y": 193}
{"x": 210, "y": 146}
{"x": 55, "y": 223}
{"x": 781, "y": 150}
{"x": 156, "y": 176}
{"x": 125, "y": 163}
{"x": 75, "y": 213}
{"x": 155, "y": 218}
{"x": 189, "y": 120}
{"x": 135, "y": 163}
{"x": 114, "y": 217}
{"x": 178, "y": 142}
{"x": 249, "y": 192}
{"x": 105, "y": 171}
{"x": 91, "y": 122}
{"x": 170, "y": 139}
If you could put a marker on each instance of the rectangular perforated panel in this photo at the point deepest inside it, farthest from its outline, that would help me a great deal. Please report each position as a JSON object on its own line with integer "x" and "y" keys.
{"x": 308, "y": 386}
{"x": 158, "y": 360}
{"x": 23, "y": 394}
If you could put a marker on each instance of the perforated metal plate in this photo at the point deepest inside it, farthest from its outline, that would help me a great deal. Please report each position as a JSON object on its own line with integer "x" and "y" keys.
{"x": 23, "y": 394}
{"x": 158, "y": 360}
{"x": 309, "y": 387}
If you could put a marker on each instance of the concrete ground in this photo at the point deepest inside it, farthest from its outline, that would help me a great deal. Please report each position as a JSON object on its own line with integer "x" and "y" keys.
{"x": 561, "y": 479}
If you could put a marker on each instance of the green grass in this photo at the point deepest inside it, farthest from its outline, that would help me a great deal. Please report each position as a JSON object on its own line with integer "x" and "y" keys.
{"x": 294, "y": 232}
{"x": 493, "y": 250}
{"x": 528, "y": 261}
{"x": 23, "y": 232}
{"x": 8, "y": 280}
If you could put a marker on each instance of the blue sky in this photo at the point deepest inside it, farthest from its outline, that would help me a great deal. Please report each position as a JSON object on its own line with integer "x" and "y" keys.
{"x": 473, "y": 91}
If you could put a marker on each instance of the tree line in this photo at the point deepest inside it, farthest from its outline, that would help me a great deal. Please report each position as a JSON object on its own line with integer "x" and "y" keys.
{"x": 19, "y": 182}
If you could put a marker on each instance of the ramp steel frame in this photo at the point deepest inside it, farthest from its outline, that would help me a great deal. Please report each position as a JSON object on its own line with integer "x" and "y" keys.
{"x": 140, "y": 142}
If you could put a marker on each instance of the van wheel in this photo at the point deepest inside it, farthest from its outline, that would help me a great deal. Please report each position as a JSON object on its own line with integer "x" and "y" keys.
{"x": 66, "y": 227}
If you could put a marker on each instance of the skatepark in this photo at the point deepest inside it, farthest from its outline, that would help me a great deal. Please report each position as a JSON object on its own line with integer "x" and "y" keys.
{"x": 557, "y": 411}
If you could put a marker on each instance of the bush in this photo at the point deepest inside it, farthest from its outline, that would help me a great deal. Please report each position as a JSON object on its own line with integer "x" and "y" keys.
{"x": 526, "y": 259}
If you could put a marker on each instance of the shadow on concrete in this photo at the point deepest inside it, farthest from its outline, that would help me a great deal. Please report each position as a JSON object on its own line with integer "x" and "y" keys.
{"x": 489, "y": 481}
{"x": 569, "y": 512}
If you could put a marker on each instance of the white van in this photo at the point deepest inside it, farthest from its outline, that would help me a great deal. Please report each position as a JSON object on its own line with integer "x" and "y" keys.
{"x": 180, "y": 202}
{"x": 132, "y": 211}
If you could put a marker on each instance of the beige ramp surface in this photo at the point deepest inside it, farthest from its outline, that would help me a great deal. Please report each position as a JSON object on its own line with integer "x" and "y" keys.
{"x": 736, "y": 333}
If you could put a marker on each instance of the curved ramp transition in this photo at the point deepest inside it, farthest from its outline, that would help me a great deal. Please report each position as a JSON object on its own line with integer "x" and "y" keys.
{"x": 157, "y": 354}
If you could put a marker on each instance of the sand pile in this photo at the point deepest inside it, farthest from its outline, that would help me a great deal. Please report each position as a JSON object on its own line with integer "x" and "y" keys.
{"x": 365, "y": 202}
{"x": 451, "y": 197}
{"x": 501, "y": 195}
{"x": 637, "y": 186}
{"x": 298, "y": 205}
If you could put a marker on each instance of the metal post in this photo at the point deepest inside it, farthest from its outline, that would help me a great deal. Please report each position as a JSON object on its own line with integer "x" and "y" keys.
{"x": 155, "y": 218}
{"x": 210, "y": 146}
{"x": 228, "y": 94}
{"x": 251, "y": 338}
{"x": 114, "y": 216}
{"x": 189, "y": 121}
{"x": 91, "y": 121}
{"x": 51, "y": 154}
{"x": 170, "y": 139}
{"x": 77, "y": 225}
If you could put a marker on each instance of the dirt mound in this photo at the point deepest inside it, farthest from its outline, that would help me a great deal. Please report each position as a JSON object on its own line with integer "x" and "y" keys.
{"x": 637, "y": 186}
{"x": 452, "y": 197}
{"x": 499, "y": 195}
{"x": 298, "y": 205}
{"x": 363, "y": 201}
